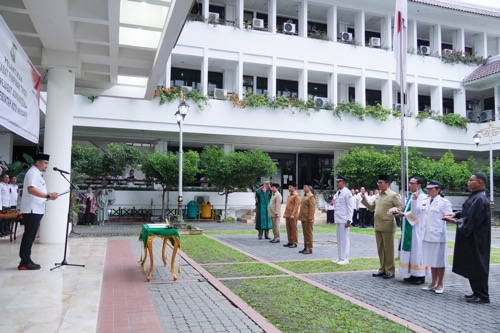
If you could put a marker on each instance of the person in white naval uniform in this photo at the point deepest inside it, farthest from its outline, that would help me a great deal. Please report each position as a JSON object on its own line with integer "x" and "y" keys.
{"x": 344, "y": 207}
{"x": 430, "y": 213}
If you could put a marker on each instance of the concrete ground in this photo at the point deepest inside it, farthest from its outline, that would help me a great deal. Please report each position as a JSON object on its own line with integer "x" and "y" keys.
{"x": 110, "y": 294}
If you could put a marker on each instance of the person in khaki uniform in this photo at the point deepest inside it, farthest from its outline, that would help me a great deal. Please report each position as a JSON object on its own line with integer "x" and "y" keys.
{"x": 306, "y": 217}
{"x": 275, "y": 212}
{"x": 290, "y": 215}
{"x": 385, "y": 225}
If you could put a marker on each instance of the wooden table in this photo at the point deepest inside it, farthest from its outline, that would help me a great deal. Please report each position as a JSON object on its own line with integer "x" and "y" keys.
{"x": 148, "y": 233}
{"x": 12, "y": 218}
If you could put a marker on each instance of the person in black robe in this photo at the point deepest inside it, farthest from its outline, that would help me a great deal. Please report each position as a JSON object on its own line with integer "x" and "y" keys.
{"x": 471, "y": 258}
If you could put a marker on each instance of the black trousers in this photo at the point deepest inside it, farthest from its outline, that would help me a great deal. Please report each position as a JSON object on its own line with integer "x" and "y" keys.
{"x": 31, "y": 224}
{"x": 480, "y": 288}
{"x": 363, "y": 217}
{"x": 355, "y": 217}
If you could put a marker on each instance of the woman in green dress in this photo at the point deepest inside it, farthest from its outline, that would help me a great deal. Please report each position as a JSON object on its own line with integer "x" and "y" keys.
{"x": 102, "y": 207}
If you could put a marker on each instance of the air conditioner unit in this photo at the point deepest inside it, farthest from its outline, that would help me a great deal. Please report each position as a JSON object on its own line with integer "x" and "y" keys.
{"x": 220, "y": 93}
{"x": 424, "y": 49}
{"x": 258, "y": 23}
{"x": 447, "y": 51}
{"x": 289, "y": 28}
{"x": 346, "y": 36}
{"x": 473, "y": 116}
{"x": 486, "y": 115}
{"x": 374, "y": 41}
{"x": 396, "y": 107}
{"x": 186, "y": 89}
{"x": 213, "y": 17}
{"x": 201, "y": 199}
{"x": 321, "y": 102}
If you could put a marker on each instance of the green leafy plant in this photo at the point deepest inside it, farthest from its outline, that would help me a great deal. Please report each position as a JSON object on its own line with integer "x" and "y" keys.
{"x": 356, "y": 110}
{"x": 316, "y": 34}
{"x": 92, "y": 98}
{"x": 171, "y": 94}
{"x": 456, "y": 56}
{"x": 454, "y": 120}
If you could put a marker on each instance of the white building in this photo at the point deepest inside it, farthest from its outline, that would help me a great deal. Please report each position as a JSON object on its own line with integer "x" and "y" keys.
{"x": 272, "y": 47}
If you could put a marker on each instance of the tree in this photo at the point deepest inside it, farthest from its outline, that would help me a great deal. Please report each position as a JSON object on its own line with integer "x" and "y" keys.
{"x": 116, "y": 158}
{"x": 163, "y": 169}
{"x": 363, "y": 165}
{"x": 86, "y": 160}
{"x": 235, "y": 170}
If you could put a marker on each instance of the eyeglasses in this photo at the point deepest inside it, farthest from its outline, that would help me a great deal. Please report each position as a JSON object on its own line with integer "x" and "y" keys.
{"x": 413, "y": 183}
{"x": 381, "y": 183}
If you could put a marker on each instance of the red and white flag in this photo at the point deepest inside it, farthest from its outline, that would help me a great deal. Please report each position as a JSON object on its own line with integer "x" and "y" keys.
{"x": 400, "y": 44}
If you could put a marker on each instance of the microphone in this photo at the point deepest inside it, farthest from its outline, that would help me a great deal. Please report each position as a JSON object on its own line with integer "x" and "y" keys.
{"x": 61, "y": 171}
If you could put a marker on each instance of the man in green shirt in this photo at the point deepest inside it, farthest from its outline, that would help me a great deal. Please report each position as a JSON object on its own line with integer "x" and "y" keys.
{"x": 385, "y": 225}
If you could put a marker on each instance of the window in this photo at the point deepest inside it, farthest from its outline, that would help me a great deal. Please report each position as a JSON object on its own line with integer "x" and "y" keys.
{"x": 317, "y": 89}
{"x": 287, "y": 88}
{"x": 185, "y": 77}
{"x": 373, "y": 97}
{"x": 424, "y": 102}
{"x": 214, "y": 80}
{"x": 217, "y": 9}
{"x": 448, "y": 105}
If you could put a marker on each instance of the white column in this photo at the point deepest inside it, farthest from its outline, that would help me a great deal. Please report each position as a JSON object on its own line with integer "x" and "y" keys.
{"x": 239, "y": 76}
{"x": 436, "y": 40}
{"x": 57, "y": 143}
{"x": 498, "y": 46}
{"x": 412, "y": 36}
{"x": 6, "y": 147}
{"x": 303, "y": 80}
{"x": 161, "y": 146}
{"x": 359, "y": 28}
{"x": 271, "y": 79}
{"x": 303, "y": 18}
{"x": 271, "y": 15}
{"x": 168, "y": 72}
{"x": 459, "y": 40}
{"x": 496, "y": 96}
{"x": 331, "y": 21}
{"x": 360, "y": 87}
{"x": 413, "y": 97}
{"x": 437, "y": 99}
{"x": 228, "y": 147}
{"x": 387, "y": 92}
{"x": 459, "y": 102}
{"x": 239, "y": 13}
{"x": 343, "y": 89}
{"x": 481, "y": 45}
{"x": 204, "y": 73}
{"x": 204, "y": 9}
{"x": 386, "y": 31}
{"x": 332, "y": 86}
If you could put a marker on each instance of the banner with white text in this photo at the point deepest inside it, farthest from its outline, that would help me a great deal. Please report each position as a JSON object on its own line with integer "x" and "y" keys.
{"x": 19, "y": 88}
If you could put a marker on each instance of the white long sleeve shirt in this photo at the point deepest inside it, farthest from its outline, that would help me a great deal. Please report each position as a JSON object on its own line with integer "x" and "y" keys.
{"x": 343, "y": 206}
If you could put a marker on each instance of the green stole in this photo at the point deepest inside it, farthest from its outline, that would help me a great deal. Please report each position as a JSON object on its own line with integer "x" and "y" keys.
{"x": 408, "y": 228}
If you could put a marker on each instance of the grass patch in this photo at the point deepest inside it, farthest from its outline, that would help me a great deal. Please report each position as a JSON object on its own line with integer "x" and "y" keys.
{"x": 231, "y": 232}
{"x": 371, "y": 232}
{"x": 295, "y": 306}
{"x": 206, "y": 250}
{"x": 242, "y": 270}
{"x": 326, "y": 266}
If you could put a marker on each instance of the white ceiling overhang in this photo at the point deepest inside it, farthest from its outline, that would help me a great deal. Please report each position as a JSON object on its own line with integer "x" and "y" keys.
{"x": 121, "y": 47}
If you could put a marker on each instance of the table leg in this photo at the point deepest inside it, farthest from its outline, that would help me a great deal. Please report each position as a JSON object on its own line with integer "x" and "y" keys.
{"x": 143, "y": 259}
{"x": 150, "y": 248}
{"x": 164, "y": 255}
{"x": 174, "y": 252}
{"x": 15, "y": 231}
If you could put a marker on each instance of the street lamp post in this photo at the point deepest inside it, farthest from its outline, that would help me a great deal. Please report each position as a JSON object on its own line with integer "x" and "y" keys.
{"x": 489, "y": 133}
{"x": 179, "y": 116}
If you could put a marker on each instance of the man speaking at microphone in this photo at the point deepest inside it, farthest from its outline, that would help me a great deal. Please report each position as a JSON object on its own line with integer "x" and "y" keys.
{"x": 33, "y": 207}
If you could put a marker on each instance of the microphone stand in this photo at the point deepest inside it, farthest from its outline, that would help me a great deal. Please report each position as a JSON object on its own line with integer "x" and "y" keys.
{"x": 64, "y": 262}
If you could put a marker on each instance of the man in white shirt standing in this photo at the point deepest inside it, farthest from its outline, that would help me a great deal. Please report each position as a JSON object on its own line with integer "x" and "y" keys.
{"x": 5, "y": 202}
{"x": 14, "y": 190}
{"x": 33, "y": 207}
{"x": 343, "y": 216}
{"x": 361, "y": 209}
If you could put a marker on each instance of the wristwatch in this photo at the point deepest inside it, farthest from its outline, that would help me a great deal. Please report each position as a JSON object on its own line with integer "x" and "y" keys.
{"x": 48, "y": 196}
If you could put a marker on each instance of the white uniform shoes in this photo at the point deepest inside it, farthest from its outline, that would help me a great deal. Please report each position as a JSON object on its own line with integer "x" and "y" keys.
{"x": 336, "y": 261}
{"x": 343, "y": 262}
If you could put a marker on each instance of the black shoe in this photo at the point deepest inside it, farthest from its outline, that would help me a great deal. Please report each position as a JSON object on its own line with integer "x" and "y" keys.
{"x": 478, "y": 300}
{"x": 418, "y": 280}
{"x": 28, "y": 267}
{"x": 287, "y": 245}
{"x": 34, "y": 264}
{"x": 302, "y": 251}
{"x": 274, "y": 241}
{"x": 378, "y": 274}
{"x": 388, "y": 276}
{"x": 267, "y": 237}
{"x": 307, "y": 252}
{"x": 409, "y": 279}
{"x": 292, "y": 246}
{"x": 470, "y": 296}
{"x": 260, "y": 237}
